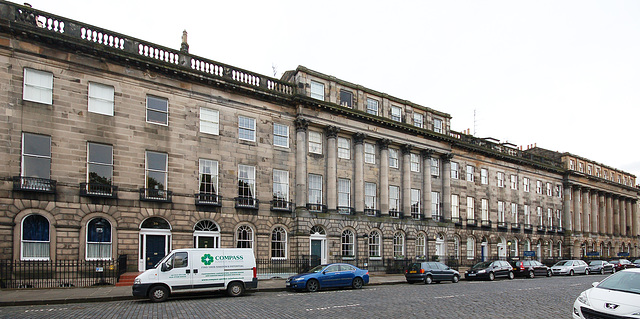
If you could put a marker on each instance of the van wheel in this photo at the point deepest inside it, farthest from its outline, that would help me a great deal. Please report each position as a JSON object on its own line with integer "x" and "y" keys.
{"x": 428, "y": 280}
{"x": 357, "y": 283}
{"x": 531, "y": 274}
{"x": 312, "y": 285}
{"x": 235, "y": 289}
{"x": 158, "y": 294}
{"x": 455, "y": 279}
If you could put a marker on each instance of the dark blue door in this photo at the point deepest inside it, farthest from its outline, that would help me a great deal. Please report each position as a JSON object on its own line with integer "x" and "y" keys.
{"x": 154, "y": 247}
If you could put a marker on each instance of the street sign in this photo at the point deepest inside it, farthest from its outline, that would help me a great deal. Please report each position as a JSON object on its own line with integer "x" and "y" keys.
{"x": 529, "y": 253}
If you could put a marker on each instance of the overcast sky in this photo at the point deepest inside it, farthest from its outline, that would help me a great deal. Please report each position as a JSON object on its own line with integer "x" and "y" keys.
{"x": 562, "y": 74}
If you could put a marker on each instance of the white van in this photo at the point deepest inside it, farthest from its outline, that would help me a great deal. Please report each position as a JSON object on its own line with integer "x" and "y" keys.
{"x": 199, "y": 269}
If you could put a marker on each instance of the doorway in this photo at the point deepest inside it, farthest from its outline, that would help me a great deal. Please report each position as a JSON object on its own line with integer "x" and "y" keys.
{"x": 155, "y": 242}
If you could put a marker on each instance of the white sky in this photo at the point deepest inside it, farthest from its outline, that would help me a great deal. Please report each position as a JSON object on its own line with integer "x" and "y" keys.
{"x": 562, "y": 74}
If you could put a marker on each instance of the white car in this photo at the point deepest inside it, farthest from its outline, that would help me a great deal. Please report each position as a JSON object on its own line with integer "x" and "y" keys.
{"x": 617, "y": 296}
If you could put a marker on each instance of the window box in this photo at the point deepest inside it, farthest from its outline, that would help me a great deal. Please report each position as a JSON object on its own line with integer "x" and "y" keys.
{"x": 98, "y": 190}
{"x": 246, "y": 202}
{"x": 372, "y": 212}
{"x": 317, "y": 208}
{"x": 207, "y": 199}
{"x": 345, "y": 210}
{"x": 396, "y": 214}
{"x": 155, "y": 195}
{"x": 280, "y": 205}
{"x": 34, "y": 184}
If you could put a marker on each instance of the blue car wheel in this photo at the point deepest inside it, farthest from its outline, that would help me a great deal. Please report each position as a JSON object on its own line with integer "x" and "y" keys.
{"x": 312, "y": 285}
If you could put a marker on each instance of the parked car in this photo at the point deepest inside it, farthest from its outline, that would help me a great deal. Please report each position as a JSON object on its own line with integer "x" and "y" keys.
{"x": 617, "y": 296}
{"x": 490, "y": 270}
{"x": 430, "y": 271}
{"x": 570, "y": 267}
{"x": 530, "y": 268}
{"x": 621, "y": 264}
{"x": 601, "y": 267}
{"x": 331, "y": 275}
{"x": 637, "y": 263}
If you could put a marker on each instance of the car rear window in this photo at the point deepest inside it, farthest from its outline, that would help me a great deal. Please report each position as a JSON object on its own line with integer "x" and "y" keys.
{"x": 415, "y": 266}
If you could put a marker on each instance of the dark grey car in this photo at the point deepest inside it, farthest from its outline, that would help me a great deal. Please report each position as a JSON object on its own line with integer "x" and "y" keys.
{"x": 430, "y": 271}
{"x": 600, "y": 267}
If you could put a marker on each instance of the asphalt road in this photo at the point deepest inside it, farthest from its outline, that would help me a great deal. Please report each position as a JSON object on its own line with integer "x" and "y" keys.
{"x": 519, "y": 298}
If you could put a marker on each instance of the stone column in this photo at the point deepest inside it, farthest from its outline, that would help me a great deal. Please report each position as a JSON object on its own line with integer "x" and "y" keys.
{"x": 577, "y": 209}
{"x": 384, "y": 176}
{"x": 602, "y": 214}
{"x": 616, "y": 216}
{"x": 446, "y": 186}
{"x": 426, "y": 182}
{"x": 332, "y": 168}
{"x": 406, "y": 179}
{"x": 610, "y": 222}
{"x": 629, "y": 218}
{"x": 623, "y": 217}
{"x": 586, "y": 214}
{"x": 568, "y": 223}
{"x": 301, "y": 161}
{"x": 594, "y": 212}
{"x": 358, "y": 141}
{"x": 636, "y": 218}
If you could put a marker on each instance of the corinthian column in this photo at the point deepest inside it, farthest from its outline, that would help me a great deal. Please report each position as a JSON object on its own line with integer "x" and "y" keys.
{"x": 426, "y": 182}
{"x": 358, "y": 140}
{"x": 301, "y": 161}
{"x": 446, "y": 186}
{"x": 406, "y": 179}
{"x": 384, "y": 176}
{"x": 332, "y": 168}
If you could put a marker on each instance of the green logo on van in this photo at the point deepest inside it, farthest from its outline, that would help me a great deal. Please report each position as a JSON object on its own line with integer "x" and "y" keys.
{"x": 207, "y": 259}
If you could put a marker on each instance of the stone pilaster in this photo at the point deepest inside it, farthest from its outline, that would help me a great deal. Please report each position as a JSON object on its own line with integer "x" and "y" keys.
{"x": 301, "y": 161}
{"x": 616, "y": 216}
{"x": 602, "y": 214}
{"x": 636, "y": 218}
{"x": 406, "y": 179}
{"x": 446, "y": 186}
{"x": 594, "y": 212}
{"x": 358, "y": 141}
{"x": 384, "y": 175}
{"x": 577, "y": 209}
{"x": 629, "y": 218}
{"x": 332, "y": 167}
{"x": 568, "y": 223}
{"x": 426, "y": 182}
{"x": 610, "y": 222}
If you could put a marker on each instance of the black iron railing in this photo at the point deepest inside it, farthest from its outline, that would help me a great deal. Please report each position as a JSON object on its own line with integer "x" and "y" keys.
{"x": 316, "y": 208}
{"x": 396, "y": 214}
{"x": 155, "y": 195}
{"x": 208, "y": 199}
{"x": 280, "y": 205}
{"x": 98, "y": 190}
{"x": 34, "y": 184}
{"x": 247, "y": 202}
{"x": 59, "y": 273}
{"x": 346, "y": 210}
{"x": 372, "y": 212}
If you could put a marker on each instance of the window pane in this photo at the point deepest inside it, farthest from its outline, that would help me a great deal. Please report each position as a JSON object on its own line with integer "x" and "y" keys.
{"x": 157, "y": 161}
{"x": 157, "y": 104}
{"x": 39, "y": 145}
{"x": 37, "y": 167}
{"x": 100, "y": 153}
{"x": 156, "y": 117}
{"x": 101, "y": 98}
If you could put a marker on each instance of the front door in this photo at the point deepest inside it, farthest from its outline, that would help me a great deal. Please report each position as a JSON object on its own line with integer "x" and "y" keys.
{"x": 316, "y": 250}
{"x": 154, "y": 250}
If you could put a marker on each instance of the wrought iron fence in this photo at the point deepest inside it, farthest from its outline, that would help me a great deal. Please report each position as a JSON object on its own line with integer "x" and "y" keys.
{"x": 59, "y": 273}
{"x": 282, "y": 268}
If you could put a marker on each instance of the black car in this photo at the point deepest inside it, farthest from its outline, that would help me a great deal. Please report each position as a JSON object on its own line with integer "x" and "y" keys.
{"x": 430, "y": 271}
{"x": 490, "y": 270}
{"x": 621, "y": 264}
{"x": 530, "y": 268}
{"x": 601, "y": 267}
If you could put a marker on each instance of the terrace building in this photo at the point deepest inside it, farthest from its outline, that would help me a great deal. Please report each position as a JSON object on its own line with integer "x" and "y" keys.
{"x": 116, "y": 146}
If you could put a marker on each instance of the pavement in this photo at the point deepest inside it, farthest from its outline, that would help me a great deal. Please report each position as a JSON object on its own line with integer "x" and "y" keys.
{"x": 27, "y": 297}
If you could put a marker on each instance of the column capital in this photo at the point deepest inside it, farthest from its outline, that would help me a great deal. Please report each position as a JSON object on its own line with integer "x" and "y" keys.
{"x": 384, "y": 143}
{"x": 446, "y": 158}
{"x": 428, "y": 153}
{"x": 358, "y": 138}
{"x": 331, "y": 131}
{"x": 301, "y": 124}
{"x": 406, "y": 149}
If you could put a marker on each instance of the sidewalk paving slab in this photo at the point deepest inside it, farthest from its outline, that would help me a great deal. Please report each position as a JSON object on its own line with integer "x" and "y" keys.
{"x": 28, "y": 297}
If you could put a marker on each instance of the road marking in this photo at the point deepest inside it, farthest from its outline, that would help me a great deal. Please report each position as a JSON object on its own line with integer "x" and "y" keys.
{"x": 333, "y": 307}
{"x": 446, "y": 297}
{"x": 45, "y": 310}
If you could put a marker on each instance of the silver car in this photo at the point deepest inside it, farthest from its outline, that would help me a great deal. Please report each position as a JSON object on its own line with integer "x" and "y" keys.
{"x": 570, "y": 267}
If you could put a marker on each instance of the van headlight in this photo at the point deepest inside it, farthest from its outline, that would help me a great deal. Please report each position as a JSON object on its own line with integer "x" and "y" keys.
{"x": 584, "y": 299}
{"x": 137, "y": 281}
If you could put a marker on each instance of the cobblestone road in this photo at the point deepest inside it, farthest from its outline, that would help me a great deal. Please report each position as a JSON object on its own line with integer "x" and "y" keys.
{"x": 531, "y": 298}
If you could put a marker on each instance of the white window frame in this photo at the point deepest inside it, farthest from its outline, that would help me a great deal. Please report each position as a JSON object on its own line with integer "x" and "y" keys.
{"x": 280, "y": 189}
{"x": 375, "y": 245}
{"x": 369, "y": 153}
{"x": 471, "y": 208}
{"x": 37, "y": 86}
{"x": 280, "y": 135}
{"x": 484, "y": 209}
{"x": 278, "y": 243}
{"x": 208, "y": 167}
{"x": 164, "y": 171}
{"x": 315, "y": 142}
{"x": 246, "y": 128}
{"x": 373, "y": 106}
{"x": 344, "y": 148}
{"x": 393, "y": 158}
{"x": 549, "y": 189}
{"x": 106, "y": 163}
{"x": 455, "y": 174}
{"x": 470, "y": 173}
{"x": 527, "y": 214}
{"x": 394, "y": 198}
{"x": 455, "y": 206}
{"x": 415, "y": 163}
{"x": 526, "y": 184}
{"x": 247, "y": 174}
{"x": 514, "y": 212}
{"x": 416, "y": 205}
{"x": 471, "y": 248}
{"x": 42, "y": 243}
{"x": 435, "y": 166}
{"x": 484, "y": 176}
{"x": 398, "y": 245}
{"x": 396, "y": 113}
{"x": 103, "y": 247}
{"x": 315, "y": 189}
{"x": 209, "y": 121}
{"x": 435, "y": 205}
{"x": 317, "y": 90}
{"x": 245, "y": 241}
{"x": 344, "y": 192}
{"x": 100, "y": 98}
{"x": 370, "y": 196}
{"x": 514, "y": 182}
{"x": 501, "y": 213}
{"x": 159, "y": 111}
{"x": 437, "y": 126}
{"x": 500, "y": 178}
{"x": 538, "y": 187}
{"x": 418, "y": 120}
{"x": 421, "y": 240}
{"x": 348, "y": 244}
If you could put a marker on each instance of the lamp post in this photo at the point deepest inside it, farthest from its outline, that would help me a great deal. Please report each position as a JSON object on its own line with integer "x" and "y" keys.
{"x": 508, "y": 250}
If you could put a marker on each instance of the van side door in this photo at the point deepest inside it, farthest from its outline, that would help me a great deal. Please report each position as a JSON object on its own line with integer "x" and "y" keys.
{"x": 175, "y": 271}
{"x": 208, "y": 268}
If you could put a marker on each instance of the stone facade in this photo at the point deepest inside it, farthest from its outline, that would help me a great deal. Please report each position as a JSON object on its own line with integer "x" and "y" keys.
{"x": 483, "y": 188}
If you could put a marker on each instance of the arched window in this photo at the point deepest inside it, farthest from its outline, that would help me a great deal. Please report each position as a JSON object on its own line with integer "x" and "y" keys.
{"x": 244, "y": 237}
{"x": 398, "y": 245}
{"x": 35, "y": 238}
{"x": 279, "y": 243}
{"x": 374, "y": 245}
{"x": 421, "y": 245}
{"x": 471, "y": 248}
{"x": 206, "y": 234}
{"x": 99, "y": 239}
{"x": 348, "y": 244}
{"x": 317, "y": 230}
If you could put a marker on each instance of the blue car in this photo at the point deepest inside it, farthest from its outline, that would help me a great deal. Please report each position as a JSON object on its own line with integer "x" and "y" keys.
{"x": 331, "y": 275}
